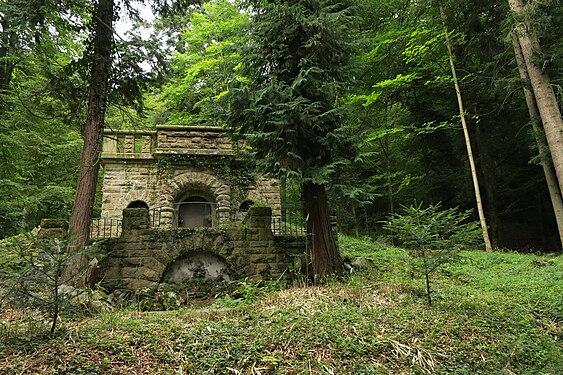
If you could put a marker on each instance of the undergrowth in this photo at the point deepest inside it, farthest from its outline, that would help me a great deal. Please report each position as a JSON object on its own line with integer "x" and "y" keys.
{"x": 496, "y": 313}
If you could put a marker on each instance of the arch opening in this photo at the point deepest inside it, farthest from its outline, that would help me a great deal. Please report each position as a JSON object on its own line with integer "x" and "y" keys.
{"x": 195, "y": 212}
{"x": 138, "y": 204}
{"x": 199, "y": 265}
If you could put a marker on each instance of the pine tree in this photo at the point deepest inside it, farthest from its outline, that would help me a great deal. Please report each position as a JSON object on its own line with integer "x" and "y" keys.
{"x": 296, "y": 66}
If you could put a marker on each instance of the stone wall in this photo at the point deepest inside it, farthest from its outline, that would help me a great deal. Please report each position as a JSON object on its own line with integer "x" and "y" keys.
{"x": 134, "y": 170}
{"x": 144, "y": 256}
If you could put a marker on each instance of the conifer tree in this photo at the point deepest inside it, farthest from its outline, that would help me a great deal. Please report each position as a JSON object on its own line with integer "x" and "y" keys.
{"x": 295, "y": 67}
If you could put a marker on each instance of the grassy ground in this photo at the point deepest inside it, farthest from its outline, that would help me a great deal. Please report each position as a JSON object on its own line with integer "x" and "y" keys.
{"x": 498, "y": 313}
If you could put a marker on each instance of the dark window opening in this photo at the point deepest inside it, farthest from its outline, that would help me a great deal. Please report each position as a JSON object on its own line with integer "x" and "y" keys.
{"x": 195, "y": 212}
{"x": 138, "y": 204}
{"x": 245, "y": 206}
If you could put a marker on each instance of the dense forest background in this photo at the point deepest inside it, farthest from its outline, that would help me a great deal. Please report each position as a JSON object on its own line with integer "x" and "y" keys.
{"x": 400, "y": 107}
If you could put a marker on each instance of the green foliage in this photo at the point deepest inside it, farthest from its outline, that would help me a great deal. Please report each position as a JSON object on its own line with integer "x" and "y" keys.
{"x": 206, "y": 68}
{"x": 487, "y": 323}
{"x": 434, "y": 228}
{"x": 32, "y": 279}
{"x": 433, "y": 236}
{"x": 295, "y": 67}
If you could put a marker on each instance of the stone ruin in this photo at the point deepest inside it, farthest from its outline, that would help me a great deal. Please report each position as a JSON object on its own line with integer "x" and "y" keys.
{"x": 186, "y": 177}
{"x": 185, "y": 202}
{"x": 143, "y": 256}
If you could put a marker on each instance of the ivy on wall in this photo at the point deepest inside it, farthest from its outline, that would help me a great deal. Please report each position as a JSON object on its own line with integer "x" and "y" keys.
{"x": 238, "y": 172}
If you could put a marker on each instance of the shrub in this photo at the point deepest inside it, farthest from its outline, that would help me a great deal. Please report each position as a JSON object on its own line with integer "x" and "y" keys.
{"x": 433, "y": 236}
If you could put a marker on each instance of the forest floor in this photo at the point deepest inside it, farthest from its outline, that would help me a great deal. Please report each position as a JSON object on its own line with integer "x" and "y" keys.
{"x": 493, "y": 313}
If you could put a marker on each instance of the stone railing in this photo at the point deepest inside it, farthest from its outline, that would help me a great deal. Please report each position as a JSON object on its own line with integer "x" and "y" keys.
{"x": 167, "y": 139}
{"x": 128, "y": 143}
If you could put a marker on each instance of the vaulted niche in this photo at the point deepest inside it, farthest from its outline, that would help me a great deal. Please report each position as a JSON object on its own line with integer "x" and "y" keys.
{"x": 195, "y": 212}
{"x": 198, "y": 265}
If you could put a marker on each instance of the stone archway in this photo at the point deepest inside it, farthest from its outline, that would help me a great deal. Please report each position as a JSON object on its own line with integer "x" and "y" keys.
{"x": 192, "y": 183}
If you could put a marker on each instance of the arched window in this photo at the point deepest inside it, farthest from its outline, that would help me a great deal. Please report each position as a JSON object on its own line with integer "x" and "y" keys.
{"x": 245, "y": 206}
{"x": 138, "y": 204}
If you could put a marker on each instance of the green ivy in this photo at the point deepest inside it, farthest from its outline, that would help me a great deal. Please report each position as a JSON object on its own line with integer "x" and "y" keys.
{"x": 238, "y": 172}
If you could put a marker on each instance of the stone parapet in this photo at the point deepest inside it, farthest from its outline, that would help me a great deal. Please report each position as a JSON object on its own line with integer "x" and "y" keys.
{"x": 145, "y": 256}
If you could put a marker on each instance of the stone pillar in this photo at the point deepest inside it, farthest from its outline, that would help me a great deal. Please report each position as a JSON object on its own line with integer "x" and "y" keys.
{"x": 334, "y": 229}
{"x": 260, "y": 219}
{"x": 134, "y": 219}
{"x": 110, "y": 145}
{"x": 129, "y": 147}
{"x": 52, "y": 228}
{"x": 146, "y": 144}
{"x": 166, "y": 218}
{"x": 223, "y": 215}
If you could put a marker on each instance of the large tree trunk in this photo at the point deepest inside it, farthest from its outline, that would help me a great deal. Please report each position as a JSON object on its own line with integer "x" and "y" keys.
{"x": 93, "y": 133}
{"x": 325, "y": 257}
{"x": 486, "y": 239}
{"x": 550, "y": 178}
{"x": 541, "y": 86}
{"x": 8, "y": 41}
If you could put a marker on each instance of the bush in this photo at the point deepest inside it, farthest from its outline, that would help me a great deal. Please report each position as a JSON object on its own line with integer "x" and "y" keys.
{"x": 35, "y": 281}
{"x": 433, "y": 236}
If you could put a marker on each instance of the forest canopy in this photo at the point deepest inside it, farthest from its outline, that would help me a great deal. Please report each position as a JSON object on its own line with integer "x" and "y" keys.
{"x": 389, "y": 132}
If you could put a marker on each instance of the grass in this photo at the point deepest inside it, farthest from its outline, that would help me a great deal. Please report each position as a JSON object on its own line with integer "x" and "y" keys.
{"x": 494, "y": 313}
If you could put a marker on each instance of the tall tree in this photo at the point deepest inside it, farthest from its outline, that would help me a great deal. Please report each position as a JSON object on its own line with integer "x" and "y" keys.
{"x": 550, "y": 177}
{"x": 541, "y": 85}
{"x": 297, "y": 64}
{"x": 93, "y": 132}
{"x": 474, "y": 177}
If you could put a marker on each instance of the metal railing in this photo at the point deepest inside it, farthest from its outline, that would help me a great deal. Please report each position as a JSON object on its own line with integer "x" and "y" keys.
{"x": 155, "y": 216}
{"x": 289, "y": 226}
{"x": 105, "y": 228}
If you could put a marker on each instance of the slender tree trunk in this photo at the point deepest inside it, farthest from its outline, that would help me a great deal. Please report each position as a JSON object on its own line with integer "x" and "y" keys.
{"x": 356, "y": 222}
{"x": 550, "y": 177}
{"x": 541, "y": 87}
{"x": 93, "y": 133}
{"x": 486, "y": 239}
{"x": 489, "y": 183}
{"x": 325, "y": 257}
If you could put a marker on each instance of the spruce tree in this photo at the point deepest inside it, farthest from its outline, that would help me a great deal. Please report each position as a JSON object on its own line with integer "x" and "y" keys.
{"x": 295, "y": 68}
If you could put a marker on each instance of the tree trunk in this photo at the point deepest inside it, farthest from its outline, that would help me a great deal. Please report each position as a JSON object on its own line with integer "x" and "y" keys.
{"x": 93, "y": 133}
{"x": 486, "y": 240}
{"x": 8, "y": 41}
{"x": 550, "y": 178}
{"x": 489, "y": 183}
{"x": 541, "y": 86}
{"x": 325, "y": 257}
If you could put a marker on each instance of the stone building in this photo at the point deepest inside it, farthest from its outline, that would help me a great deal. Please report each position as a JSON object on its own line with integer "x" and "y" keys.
{"x": 186, "y": 177}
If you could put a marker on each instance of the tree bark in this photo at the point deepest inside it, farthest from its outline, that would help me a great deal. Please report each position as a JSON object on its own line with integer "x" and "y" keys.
{"x": 541, "y": 87}
{"x": 325, "y": 257}
{"x": 486, "y": 239}
{"x": 550, "y": 177}
{"x": 8, "y": 41}
{"x": 93, "y": 133}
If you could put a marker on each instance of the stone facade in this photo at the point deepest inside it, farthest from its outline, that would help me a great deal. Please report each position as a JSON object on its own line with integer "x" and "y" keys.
{"x": 164, "y": 168}
{"x": 144, "y": 256}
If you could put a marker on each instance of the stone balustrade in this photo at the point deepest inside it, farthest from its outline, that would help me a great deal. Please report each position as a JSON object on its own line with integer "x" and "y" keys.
{"x": 167, "y": 139}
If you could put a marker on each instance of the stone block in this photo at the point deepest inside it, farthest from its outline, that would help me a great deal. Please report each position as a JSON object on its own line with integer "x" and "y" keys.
{"x": 262, "y": 258}
{"x": 135, "y": 283}
{"x": 265, "y": 234}
{"x": 54, "y": 223}
{"x": 262, "y": 268}
{"x": 51, "y": 233}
